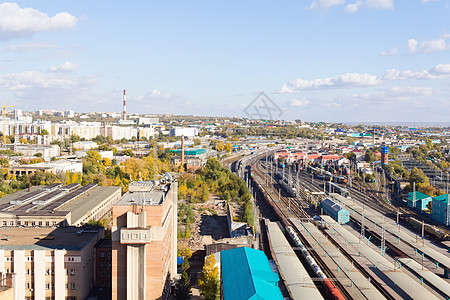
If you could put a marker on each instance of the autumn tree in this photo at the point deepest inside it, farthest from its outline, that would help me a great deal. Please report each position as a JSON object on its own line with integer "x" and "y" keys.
{"x": 209, "y": 282}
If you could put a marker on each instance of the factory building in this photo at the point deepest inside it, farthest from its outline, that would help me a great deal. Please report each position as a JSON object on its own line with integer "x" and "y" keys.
{"x": 144, "y": 240}
{"x": 186, "y": 131}
{"x": 31, "y": 150}
{"x": 440, "y": 209}
{"x": 418, "y": 200}
{"x": 49, "y": 263}
{"x": 57, "y": 206}
{"x": 55, "y": 167}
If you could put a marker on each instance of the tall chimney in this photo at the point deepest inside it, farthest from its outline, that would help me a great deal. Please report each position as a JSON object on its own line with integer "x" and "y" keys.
{"x": 182, "y": 151}
{"x": 124, "y": 114}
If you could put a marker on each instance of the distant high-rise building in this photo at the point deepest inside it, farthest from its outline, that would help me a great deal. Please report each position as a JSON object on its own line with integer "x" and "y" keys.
{"x": 18, "y": 115}
{"x": 144, "y": 241}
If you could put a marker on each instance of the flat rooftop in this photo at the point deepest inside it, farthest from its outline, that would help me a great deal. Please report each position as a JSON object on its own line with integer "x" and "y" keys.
{"x": 72, "y": 199}
{"x": 154, "y": 197}
{"x": 68, "y": 238}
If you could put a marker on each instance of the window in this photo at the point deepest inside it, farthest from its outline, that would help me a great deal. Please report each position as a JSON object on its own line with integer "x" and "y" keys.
{"x": 40, "y": 223}
{"x": 4, "y": 223}
{"x": 67, "y": 286}
{"x": 53, "y": 286}
{"x": 47, "y": 223}
{"x": 27, "y": 285}
{"x": 47, "y": 286}
{"x": 11, "y": 223}
{"x": 27, "y": 272}
{"x": 72, "y": 286}
{"x": 26, "y": 223}
{"x": 72, "y": 272}
{"x": 102, "y": 254}
{"x": 102, "y": 263}
{"x": 102, "y": 273}
{"x": 54, "y": 223}
{"x": 109, "y": 255}
{"x": 47, "y": 272}
{"x": 18, "y": 223}
{"x": 33, "y": 223}
{"x": 67, "y": 271}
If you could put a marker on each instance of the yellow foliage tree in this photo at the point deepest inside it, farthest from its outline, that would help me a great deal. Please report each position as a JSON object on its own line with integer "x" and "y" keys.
{"x": 209, "y": 282}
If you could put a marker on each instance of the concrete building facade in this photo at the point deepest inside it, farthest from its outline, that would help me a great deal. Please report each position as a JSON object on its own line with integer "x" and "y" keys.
{"x": 144, "y": 234}
{"x": 49, "y": 263}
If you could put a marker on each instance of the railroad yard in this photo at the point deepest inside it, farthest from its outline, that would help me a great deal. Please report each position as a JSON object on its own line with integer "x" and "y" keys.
{"x": 359, "y": 249}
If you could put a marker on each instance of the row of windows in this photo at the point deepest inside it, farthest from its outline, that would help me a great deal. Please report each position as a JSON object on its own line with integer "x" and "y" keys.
{"x": 29, "y": 223}
{"x": 30, "y": 285}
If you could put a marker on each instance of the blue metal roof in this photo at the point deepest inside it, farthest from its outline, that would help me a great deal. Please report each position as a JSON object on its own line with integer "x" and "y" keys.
{"x": 246, "y": 274}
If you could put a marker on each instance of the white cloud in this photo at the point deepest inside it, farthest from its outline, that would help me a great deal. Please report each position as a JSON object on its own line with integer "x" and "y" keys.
{"x": 325, "y": 4}
{"x": 299, "y": 102}
{"x": 16, "y": 22}
{"x": 391, "y": 52}
{"x": 24, "y": 47}
{"x": 351, "y": 80}
{"x": 434, "y": 45}
{"x": 411, "y": 45}
{"x": 344, "y": 80}
{"x": 380, "y": 4}
{"x": 410, "y": 91}
{"x": 353, "y": 7}
{"x": 64, "y": 68}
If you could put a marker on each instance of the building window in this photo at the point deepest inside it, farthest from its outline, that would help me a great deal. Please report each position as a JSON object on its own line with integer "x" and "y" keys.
{"x": 18, "y": 223}
{"x": 54, "y": 223}
{"x": 26, "y": 223}
{"x": 72, "y": 272}
{"x": 102, "y": 273}
{"x": 27, "y": 285}
{"x": 33, "y": 223}
{"x": 40, "y": 223}
{"x": 47, "y": 286}
{"x": 47, "y": 224}
{"x": 27, "y": 272}
{"x": 102, "y": 263}
{"x": 11, "y": 223}
{"x": 72, "y": 286}
{"x": 53, "y": 286}
{"x": 47, "y": 272}
{"x": 67, "y": 286}
{"x": 4, "y": 223}
{"x": 102, "y": 254}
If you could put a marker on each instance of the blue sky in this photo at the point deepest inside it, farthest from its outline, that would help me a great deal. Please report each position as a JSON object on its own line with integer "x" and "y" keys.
{"x": 321, "y": 60}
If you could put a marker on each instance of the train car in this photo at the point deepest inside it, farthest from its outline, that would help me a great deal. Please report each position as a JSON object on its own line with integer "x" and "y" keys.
{"x": 331, "y": 291}
{"x": 334, "y": 188}
{"x": 334, "y": 210}
{"x": 341, "y": 179}
{"x": 288, "y": 187}
{"x": 430, "y": 229}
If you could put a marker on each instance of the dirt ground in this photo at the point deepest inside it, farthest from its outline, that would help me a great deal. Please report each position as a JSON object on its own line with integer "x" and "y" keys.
{"x": 210, "y": 224}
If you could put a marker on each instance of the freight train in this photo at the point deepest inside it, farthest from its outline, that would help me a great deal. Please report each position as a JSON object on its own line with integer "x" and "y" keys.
{"x": 430, "y": 229}
{"x": 330, "y": 290}
{"x": 287, "y": 184}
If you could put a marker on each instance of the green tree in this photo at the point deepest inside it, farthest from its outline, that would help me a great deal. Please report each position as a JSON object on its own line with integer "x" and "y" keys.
{"x": 44, "y": 132}
{"x": 209, "y": 282}
{"x": 183, "y": 287}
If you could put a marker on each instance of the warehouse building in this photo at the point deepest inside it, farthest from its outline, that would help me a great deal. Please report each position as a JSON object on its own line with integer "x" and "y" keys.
{"x": 440, "y": 211}
{"x": 144, "y": 240}
{"x": 246, "y": 274}
{"x": 49, "y": 263}
{"x": 334, "y": 210}
{"x": 56, "y": 205}
{"x": 55, "y": 167}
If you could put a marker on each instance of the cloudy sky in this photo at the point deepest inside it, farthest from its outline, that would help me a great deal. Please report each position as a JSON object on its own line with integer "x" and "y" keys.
{"x": 317, "y": 60}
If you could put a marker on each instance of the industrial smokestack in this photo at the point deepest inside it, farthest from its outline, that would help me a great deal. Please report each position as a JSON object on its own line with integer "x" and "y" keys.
{"x": 124, "y": 114}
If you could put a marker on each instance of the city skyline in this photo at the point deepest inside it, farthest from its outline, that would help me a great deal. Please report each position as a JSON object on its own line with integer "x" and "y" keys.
{"x": 321, "y": 60}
